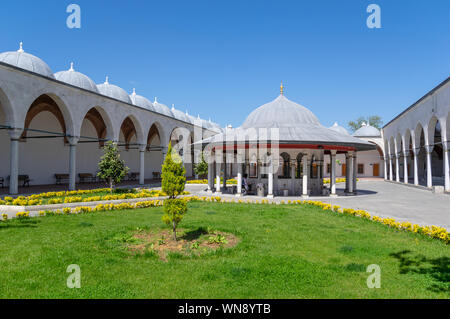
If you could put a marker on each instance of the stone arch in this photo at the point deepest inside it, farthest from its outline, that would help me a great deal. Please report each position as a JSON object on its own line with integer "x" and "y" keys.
{"x": 407, "y": 140}
{"x": 131, "y": 127}
{"x": 437, "y": 152}
{"x": 433, "y": 124}
{"x": 6, "y": 108}
{"x": 101, "y": 122}
{"x": 54, "y": 105}
{"x": 152, "y": 133}
{"x": 285, "y": 166}
{"x": 418, "y": 135}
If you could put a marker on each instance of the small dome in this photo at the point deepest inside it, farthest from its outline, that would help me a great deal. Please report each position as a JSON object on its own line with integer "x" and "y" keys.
{"x": 281, "y": 112}
{"x": 76, "y": 79}
{"x": 339, "y": 129}
{"x": 26, "y": 61}
{"x": 113, "y": 91}
{"x": 179, "y": 115}
{"x": 191, "y": 118}
{"x": 141, "y": 101}
{"x": 367, "y": 130}
{"x": 161, "y": 108}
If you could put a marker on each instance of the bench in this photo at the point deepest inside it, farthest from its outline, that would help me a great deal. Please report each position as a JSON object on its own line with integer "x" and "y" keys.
{"x": 134, "y": 176}
{"x": 60, "y": 178}
{"x": 24, "y": 179}
{"x": 86, "y": 177}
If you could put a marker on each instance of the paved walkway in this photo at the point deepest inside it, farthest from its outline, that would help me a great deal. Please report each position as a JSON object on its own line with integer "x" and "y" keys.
{"x": 383, "y": 199}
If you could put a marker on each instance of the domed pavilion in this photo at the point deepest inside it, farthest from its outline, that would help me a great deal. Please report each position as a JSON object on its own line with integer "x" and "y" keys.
{"x": 280, "y": 149}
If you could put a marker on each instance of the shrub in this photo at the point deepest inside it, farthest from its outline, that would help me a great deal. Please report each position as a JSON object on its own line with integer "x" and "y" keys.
{"x": 173, "y": 182}
{"x": 111, "y": 167}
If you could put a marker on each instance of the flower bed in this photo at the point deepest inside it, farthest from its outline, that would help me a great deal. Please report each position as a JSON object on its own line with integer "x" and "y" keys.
{"x": 430, "y": 231}
{"x": 65, "y": 197}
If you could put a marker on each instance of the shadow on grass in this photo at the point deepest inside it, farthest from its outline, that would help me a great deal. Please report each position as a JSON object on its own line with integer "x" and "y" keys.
{"x": 436, "y": 268}
{"x": 20, "y": 223}
{"x": 194, "y": 234}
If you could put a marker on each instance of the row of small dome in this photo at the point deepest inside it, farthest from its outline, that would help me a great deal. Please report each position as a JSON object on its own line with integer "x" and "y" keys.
{"x": 24, "y": 60}
{"x": 366, "y": 130}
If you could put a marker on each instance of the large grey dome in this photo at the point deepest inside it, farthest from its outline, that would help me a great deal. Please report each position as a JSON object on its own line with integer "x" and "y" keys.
{"x": 114, "y": 91}
{"x": 161, "y": 108}
{"x": 339, "y": 129}
{"x": 179, "y": 115}
{"x": 141, "y": 101}
{"x": 76, "y": 79}
{"x": 281, "y": 112}
{"x": 367, "y": 130}
{"x": 26, "y": 61}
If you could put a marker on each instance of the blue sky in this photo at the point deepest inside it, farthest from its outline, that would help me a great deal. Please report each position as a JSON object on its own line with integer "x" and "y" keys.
{"x": 222, "y": 59}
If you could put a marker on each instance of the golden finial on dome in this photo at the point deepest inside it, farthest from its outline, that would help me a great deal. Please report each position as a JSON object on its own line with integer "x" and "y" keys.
{"x": 281, "y": 88}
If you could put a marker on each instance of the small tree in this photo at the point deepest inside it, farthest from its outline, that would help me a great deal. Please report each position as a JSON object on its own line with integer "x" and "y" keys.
{"x": 173, "y": 182}
{"x": 201, "y": 169}
{"x": 373, "y": 120}
{"x": 111, "y": 167}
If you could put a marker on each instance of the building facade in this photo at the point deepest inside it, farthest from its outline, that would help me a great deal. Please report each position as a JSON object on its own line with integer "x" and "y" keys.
{"x": 416, "y": 142}
{"x": 57, "y": 123}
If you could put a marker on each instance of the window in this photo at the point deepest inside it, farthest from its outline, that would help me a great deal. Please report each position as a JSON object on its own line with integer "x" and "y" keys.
{"x": 314, "y": 170}
{"x": 285, "y": 162}
{"x": 360, "y": 168}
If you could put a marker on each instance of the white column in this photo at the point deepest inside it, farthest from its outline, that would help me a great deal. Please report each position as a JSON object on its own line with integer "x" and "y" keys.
{"x": 73, "y": 141}
{"x": 405, "y": 167}
{"x": 446, "y": 149}
{"x": 333, "y": 173}
{"x": 350, "y": 174}
{"x": 210, "y": 176}
{"x": 270, "y": 180}
{"x": 429, "y": 150}
{"x": 305, "y": 176}
{"x": 239, "y": 180}
{"x": 218, "y": 168}
{"x": 225, "y": 174}
{"x": 416, "y": 166}
{"x": 397, "y": 167}
{"x": 385, "y": 168}
{"x": 347, "y": 169}
{"x": 293, "y": 178}
{"x": 355, "y": 172}
{"x": 391, "y": 173}
{"x": 142, "y": 164}
{"x": 14, "y": 161}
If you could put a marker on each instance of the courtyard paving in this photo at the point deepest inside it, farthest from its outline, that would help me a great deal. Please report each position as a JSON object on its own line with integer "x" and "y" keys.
{"x": 383, "y": 199}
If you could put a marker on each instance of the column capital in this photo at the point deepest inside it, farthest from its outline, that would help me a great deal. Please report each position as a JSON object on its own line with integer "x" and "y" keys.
{"x": 73, "y": 140}
{"x": 142, "y": 147}
{"x": 15, "y": 133}
{"x": 405, "y": 153}
{"x": 333, "y": 152}
{"x": 429, "y": 149}
{"x": 446, "y": 146}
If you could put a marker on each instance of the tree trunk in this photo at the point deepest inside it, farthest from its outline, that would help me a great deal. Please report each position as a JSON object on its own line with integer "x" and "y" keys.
{"x": 111, "y": 185}
{"x": 174, "y": 231}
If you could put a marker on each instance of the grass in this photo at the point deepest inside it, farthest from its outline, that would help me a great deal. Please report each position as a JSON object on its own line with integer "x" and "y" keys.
{"x": 284, "y": 252}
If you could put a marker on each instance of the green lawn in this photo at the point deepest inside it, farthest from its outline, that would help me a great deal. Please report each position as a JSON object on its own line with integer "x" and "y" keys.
{"x": 284, "y": 252}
